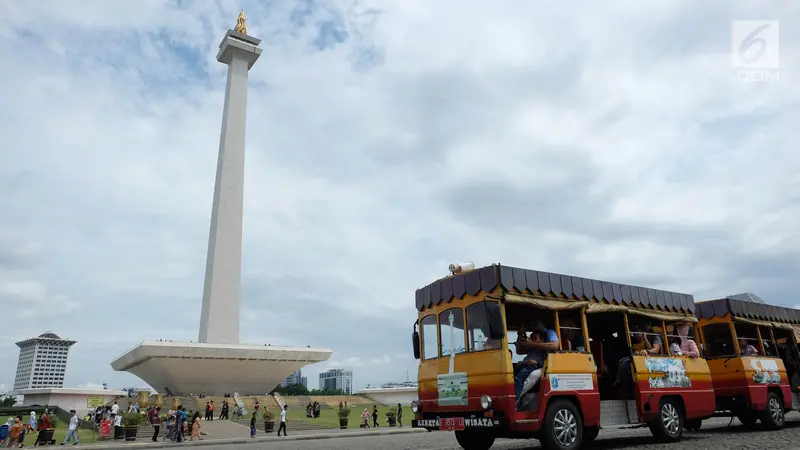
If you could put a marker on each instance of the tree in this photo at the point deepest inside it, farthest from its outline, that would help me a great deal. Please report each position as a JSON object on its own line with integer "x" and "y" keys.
{"x": 292, "y": 389}
{"x": 8, "y": 402}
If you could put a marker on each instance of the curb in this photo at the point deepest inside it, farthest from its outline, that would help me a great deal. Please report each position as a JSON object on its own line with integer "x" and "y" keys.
{"x": 302, "y": 437}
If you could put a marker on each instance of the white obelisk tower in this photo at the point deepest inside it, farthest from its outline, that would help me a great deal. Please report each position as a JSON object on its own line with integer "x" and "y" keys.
{"x": 219, "y": 318}
{"x": 218, "y": 363}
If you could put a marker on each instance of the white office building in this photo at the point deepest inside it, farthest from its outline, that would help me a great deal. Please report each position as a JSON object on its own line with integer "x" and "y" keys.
{"x": 42, "y": 362}
{"x": 337, "y": 379}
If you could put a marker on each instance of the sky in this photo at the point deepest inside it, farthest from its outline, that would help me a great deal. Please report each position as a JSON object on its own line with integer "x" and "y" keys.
{"x": 386, "y": 139}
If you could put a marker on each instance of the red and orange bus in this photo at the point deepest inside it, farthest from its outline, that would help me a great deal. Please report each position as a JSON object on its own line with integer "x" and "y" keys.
{"x": 591, "y": 379}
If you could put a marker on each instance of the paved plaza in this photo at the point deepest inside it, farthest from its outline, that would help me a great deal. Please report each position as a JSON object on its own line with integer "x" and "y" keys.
{"x": 715, "y": 435}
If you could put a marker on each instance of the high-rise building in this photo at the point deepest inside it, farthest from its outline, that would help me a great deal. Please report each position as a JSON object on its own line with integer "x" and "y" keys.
{"x": 42, "y": 362}
{"x": 296, "y": 377}
{"x": 337, "y": 379}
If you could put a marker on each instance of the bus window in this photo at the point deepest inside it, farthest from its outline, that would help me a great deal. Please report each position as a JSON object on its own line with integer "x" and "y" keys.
{"x": 748, "y": 339}
{"x": 647, "y": 337}
{"x": 718, "y": 341}
{"x": 572, "y": 338}
{"x": 451, "y": 331}
{"x": 430, "y": 347}
{"x": 682, "y": 345}
{"x": 478, "y": 329}
{"x": 770, "y": 349}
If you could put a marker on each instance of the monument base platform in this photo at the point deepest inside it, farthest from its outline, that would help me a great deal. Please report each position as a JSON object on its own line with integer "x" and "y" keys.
{"x": 181, "y": 368}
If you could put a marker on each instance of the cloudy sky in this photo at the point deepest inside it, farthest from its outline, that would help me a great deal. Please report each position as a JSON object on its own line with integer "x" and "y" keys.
{"x": 385, "y": 140}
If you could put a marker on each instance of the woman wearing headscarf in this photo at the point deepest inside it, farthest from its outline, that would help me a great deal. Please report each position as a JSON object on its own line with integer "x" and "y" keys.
{"x": 688, "y": 345}
{"x": 32, "y": 421}
{"x": 195, "y": 427}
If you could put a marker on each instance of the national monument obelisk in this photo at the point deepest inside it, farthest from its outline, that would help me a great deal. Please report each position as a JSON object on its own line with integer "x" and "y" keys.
{"x": 219, "y": 317}
{"x": 218, "y": 363}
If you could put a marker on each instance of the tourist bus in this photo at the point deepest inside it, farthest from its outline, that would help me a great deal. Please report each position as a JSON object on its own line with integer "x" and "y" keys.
{"x": 751, "y": 349}
{"x": 466, "y": 333}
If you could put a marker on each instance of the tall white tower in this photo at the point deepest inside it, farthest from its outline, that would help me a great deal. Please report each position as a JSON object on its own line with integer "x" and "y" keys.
{"x": 42, "y": 361}
{"x": 219, "y": 317}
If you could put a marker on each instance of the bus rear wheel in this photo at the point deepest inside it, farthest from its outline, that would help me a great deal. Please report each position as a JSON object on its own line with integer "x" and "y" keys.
{"x": 474, "y": 440}
{"x": 668, "y": 423}
{"x": 773, "y": 416}
{"x": 563, "y": 426}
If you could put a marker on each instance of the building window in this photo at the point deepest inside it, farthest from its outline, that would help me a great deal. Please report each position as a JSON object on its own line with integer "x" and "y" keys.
{"x": 451, "y": 331}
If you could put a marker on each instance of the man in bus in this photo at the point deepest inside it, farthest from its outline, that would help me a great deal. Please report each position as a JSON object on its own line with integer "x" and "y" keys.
{"x": 533, "y": 350}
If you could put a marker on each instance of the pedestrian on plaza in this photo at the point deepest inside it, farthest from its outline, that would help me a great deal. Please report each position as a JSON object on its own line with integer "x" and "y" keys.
{"x": 283, "y": 420}
{"x": 118, "y": 426}
{"x": 399, "y": 415}
{"x": 211, "y": 411}
{"x": 253, "y": 426}
{"x": 155, "y": 421}
{"x": 208, "y": 409}
{"x": 375, "y": 416}
{"x": 73, "y": 428}
{"x": 365, "y": 419}
{"x": 196, "y": 427}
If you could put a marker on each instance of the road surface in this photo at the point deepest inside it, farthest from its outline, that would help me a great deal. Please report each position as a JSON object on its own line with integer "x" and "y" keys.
{"x": 715, "y": 435}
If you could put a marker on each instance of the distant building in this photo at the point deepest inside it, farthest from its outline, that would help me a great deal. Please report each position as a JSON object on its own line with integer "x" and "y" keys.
{"x": 42, "y": 362}
{"x": 404, "y": 384}
{"x": 337, "y": 379}
{"x": 295, "y": 377}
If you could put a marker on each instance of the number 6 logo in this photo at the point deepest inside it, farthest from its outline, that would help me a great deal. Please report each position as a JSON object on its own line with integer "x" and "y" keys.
{"x": 749, "y": 41}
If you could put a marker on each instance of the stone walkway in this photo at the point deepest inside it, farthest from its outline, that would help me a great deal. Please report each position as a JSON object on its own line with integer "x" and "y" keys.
{"x": 245, "y": 439}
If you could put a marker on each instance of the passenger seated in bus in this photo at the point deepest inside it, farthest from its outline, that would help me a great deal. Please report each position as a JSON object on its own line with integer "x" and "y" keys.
{"x": 572, "y": 336}
{"x": 640, "y": 346}
{"x": 688, "y": 346}
{"x": 675, "y": 348}
{"x": 746, "y": 348}
{"x": 531, "y": 367}
{"x": 531, "y": 348}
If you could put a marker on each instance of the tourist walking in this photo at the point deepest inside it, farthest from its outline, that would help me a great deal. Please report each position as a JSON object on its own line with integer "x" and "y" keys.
{"x": 365, "y": 418}
{"x": 211, "y": 411}
{"x": 72, "y": 432}
{"x": 195, "y": 427}
{"x": 399, "y": 415}
{"x": 253, "y": 426}
{"x": 375, "y": 417}
{"x": 155, "y": 421}
{"x": 283, "y": 420}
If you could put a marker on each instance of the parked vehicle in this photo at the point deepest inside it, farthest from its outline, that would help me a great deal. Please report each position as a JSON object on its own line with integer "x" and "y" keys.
{"x": 751, "y": 349}
{"x": 611, "y": 366}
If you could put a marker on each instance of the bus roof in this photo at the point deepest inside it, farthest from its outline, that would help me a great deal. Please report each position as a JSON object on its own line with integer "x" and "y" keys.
{"x": 512, "y": 279}
{"x": 746, "y": 309}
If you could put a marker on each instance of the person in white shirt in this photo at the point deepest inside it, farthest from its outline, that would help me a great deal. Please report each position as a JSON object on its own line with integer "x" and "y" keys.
{"x": 283, "y": 420}
{"x": 118, "y": 426}
{"x": 115, "y": 408}
{"x": 73, "y": 428}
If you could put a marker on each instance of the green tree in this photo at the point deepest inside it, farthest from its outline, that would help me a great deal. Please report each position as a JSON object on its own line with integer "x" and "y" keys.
{"x": 293, "y": 389}
{"x": 8, "y": 402}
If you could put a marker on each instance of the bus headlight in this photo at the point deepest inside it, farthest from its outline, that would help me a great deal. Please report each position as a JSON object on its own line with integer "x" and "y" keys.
{"x": 486, "y": 402}
{"x": 415, "y": 407}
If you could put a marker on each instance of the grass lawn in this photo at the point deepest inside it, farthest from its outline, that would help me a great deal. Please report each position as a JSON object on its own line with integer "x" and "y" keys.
{"x": 58, "y": 435}
{"x": 329, "y": 418}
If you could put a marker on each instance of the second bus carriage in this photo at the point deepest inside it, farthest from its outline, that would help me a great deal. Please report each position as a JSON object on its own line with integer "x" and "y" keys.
{"x": 751, "y": 349}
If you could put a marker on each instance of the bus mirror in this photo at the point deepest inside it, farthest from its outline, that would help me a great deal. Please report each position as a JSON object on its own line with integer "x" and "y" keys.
{"x": 495, "y": 319}
{"x": 415, "y": 341}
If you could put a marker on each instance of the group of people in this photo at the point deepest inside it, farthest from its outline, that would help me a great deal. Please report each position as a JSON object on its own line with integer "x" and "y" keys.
{"x": 179, "y": 424}
{"x": 223, "y": 413}
{"x": 541, "y": 341}
{"x": 313, "y": 410}
{"x": 13, "y": 432}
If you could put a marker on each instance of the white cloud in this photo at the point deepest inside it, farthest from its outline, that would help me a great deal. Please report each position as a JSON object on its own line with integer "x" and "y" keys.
{"x": 611, "y": 143}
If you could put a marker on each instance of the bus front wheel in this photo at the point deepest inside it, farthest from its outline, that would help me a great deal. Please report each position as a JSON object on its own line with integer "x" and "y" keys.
{"x": 668, "y": 423}
{"x": 563, "y": 426}
{"x": 773, "y": 416}
{"x": 474, "y": 440}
